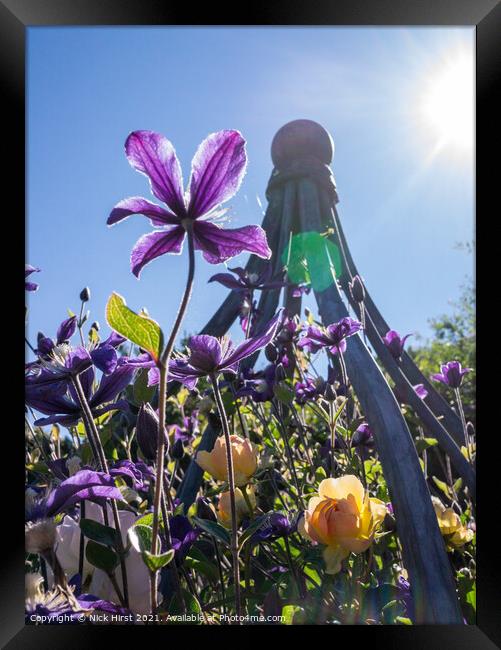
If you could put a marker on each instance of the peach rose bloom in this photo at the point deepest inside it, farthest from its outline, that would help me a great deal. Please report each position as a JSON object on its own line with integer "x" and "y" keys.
{"x": 244, "y": 454}
{"x": 452, "y": 529}
{"x": 224, "y": 506}
{"x": 342, "y": 517}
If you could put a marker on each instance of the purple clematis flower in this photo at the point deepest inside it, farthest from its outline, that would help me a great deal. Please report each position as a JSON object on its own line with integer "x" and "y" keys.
{"x": 300, "y": 290}
{"x": 64, "y": 333}
{"x": 28, "y": 270}
{"x": 333, "y": 336}
{"x": 53, "y": 400}
{"x": 248, "y": 282}
{"x": 216, "y": 173}
{"x": 395, "y": 344}
{"x": 276, "y": 525}
{"x": 309, "y": 389}
{"x": 58, "y": 361}
{"x": 136, "y": 475}
{"x": 258, "y": 385}
{"x": 211, "y": 356}
{"x": 55, "y": 607}
{"x": 403, "y": 397}
{"x": 451, "y": 375}
{"x": 183, "y": 535}
{"x": 188, "y": 430}
{"x": 363, "y": 437}
{"x": 84, "y": 485}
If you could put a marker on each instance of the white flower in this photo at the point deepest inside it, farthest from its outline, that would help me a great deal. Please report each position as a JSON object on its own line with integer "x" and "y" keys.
{"x": 138, "y": 577}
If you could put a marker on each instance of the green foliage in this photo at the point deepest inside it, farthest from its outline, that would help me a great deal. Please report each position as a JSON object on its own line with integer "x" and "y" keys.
{"x": 138, "y": 328}
{"x": 453, "y": 339}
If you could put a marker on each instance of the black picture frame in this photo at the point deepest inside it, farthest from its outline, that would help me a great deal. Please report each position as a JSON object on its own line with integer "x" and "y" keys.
{"x": 15, "y": 17}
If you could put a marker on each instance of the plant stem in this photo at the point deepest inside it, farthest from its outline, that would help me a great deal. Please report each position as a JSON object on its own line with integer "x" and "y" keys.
{"x": 463, "y": 422}
{"x": 231, "y": 485}
{"x": 220, "y": 570}
{"x": 162, "y": 395}
{"x": 97, "y": 448}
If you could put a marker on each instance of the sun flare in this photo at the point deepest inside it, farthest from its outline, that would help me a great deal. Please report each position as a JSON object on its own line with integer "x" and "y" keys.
{"x": 446, "y": 106}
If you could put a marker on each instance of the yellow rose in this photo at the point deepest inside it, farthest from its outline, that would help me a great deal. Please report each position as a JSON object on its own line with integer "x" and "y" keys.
{"x": 244, "y": 454}
{"x": 224, "y": 506}
{"x": 343, "y": 517}
{"x": 452, "y": 529}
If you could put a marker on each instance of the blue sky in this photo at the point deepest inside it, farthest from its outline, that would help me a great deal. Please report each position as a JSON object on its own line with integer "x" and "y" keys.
{"x": 403, "y": 204}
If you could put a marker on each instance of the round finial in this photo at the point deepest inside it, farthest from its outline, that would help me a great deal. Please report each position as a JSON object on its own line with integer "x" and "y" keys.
{"x": 299, "y": 139}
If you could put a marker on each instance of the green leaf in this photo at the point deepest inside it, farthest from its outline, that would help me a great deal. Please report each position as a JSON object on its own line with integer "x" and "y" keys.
{"x": 252, "y": 528}
{"x": 441, "y": 485}
{"x": 283, "y": 393}
{"x": 156, "y": 562}
{"x": 192, "y": 606}
{"x": 425, "y": 443}
{"x": 320, "y": 474}
{"x": 140, "y": 537}
{"x": 142, "y": 392}
{"x": 140, "y": 329}
{"x": 288, "y": 612}
{"x": 214, "y": 529}
{"x": 100, "y": 533}
{"x": 197, "y": 561}
{"x": 101, "y": 556}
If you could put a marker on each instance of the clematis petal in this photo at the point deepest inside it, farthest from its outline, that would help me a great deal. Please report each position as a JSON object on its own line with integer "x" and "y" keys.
{"x": 220, "y": 244}
{"x": 105, "y": 358}
{"x": 66, "y": 329}
{"x": 180, "y": 371}
{"x": 253, "y": 344}
{"x": 217, "y": 170}
{"x": 205, "y": 353}
{"x": 137, "y": 205}
{"x": 153, "y": 155}
{"x": 153, "y": 245}
{"x": 228, "y": 281}
{"x": 113, "y": 384}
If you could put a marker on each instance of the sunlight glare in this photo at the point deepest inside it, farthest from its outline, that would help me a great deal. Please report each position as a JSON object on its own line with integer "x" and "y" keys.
{"x": 446, "y": 106}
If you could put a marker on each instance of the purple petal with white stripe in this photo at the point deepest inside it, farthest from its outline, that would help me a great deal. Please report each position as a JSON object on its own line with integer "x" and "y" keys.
{"x": 219, "y": 245}
{"x": 217, "y": 170}
{"x": 153, "y": 155}
{"x": 153, "y": 245}
{"x": 138, "y": 205}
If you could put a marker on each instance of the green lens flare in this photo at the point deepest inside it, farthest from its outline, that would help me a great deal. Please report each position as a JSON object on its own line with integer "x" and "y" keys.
{"x": 312, "y": 259}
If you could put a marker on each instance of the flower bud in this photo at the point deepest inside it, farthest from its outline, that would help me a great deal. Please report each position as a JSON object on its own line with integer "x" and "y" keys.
{"x": 177, "y": 449}
{"x": 244, "y": 454}
{"x": 271, "y": 353}
{"x": 95, "y": 326}
{"x": 85, "y": 294}
{"x": 280, "y": 374}
{"x": 357, "y": 289}
{"x": 205, "y": 510}
{"x": 147, "y": 431}
{"x": 224, "y": 506}
{"x": 329, "y": 393}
